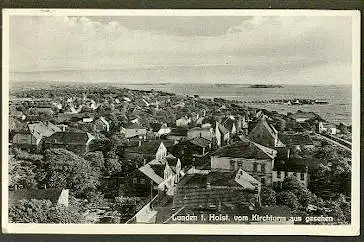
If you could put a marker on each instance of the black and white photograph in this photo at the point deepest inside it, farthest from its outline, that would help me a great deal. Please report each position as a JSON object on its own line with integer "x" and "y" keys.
{"x": 162, "y": 121}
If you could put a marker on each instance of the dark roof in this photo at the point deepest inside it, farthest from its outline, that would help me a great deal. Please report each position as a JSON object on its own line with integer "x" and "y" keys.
{"x": 215, "y": 178}
{"x": 242, "y": 149}
{"x": 222, "y": 129}
{"x": 295, "y": 139}
{"x": 69, "y": 138}
{"x": 156, "y": 127}
{"x": 292, "y": 164}
{"x": 263, "y": 133}
{"x": 200, "y": 141}
{"x": 150, "y": 147}
{"x": 178, "y": 132}
{"x": 228, "y": 123}
{"x": 134, "y": 126}
{"x": 51, "y": 194}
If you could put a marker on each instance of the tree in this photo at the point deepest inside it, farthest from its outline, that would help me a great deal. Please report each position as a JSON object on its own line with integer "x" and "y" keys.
{"x": 30, "y": 211}
{"x": 96, "y": 158}
{"x": 42, "y": 211}
{"x": 21, "y": 174}
{"x": 113, "y": 166}
{"x": 288, "y": 198}
{"x": 304, "y": 195}
{"x": 67, "y": 170}
{"x": 268, "y": 196}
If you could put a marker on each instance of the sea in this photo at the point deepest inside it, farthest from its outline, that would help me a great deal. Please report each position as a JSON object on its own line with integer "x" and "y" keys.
{"x": 339, "y": 97}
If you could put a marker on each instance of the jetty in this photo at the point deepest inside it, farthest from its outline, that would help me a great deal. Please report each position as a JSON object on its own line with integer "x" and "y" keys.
{"x": 295, "y": 101}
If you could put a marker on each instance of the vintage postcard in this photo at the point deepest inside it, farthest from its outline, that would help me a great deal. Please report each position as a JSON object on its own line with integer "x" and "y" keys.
{"x": 181, "y": 122}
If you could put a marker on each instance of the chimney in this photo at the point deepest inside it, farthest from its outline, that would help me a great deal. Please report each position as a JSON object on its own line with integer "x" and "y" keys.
{"x": 139, "y": 143}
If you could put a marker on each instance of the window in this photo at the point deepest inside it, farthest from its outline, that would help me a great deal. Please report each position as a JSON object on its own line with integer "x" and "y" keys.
{"x": 262, "y": 168}
{"x": 240, "y": 163}
{"x": 142, "y": 181}
{"x": 262, "y": 180}
{"x": 294, "y": 174}
{"x": 278, "y": 174}
{"x": 135, "y": 180}
{"x": 255, "y": 167}
{"x": 232, "y": 165}
{"x": 302, "y": 176}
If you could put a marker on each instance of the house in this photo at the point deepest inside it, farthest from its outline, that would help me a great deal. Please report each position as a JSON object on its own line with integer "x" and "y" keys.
{"x": 265, "y": 134}
{"x": 33, "y": 136}
{"x": 177, "y": 134}
{"x": 215, "y": 189}
{"x": 193, "y": 151}
{"x": 101, "y": 125}
{"x": 160, "y": 129}
{"x": 290, "y": 167}
{"x": 183, "y": 122}
{"x": 200, "y": 146}
{"x": 149, "y": 150}
{"x": 222, "y": 135}
{"x": 134, "y": 130}
{"x": 327, "y": 128}
{"x": 206, "y": 133}
{"x": 156, "y": 175}
{"x": 296, "y": 141}
{"x": 56, "y": 195}
{"x": 230, "y": 124}
{"x": 75, "y": 141}
{"x": 253, "y": 158}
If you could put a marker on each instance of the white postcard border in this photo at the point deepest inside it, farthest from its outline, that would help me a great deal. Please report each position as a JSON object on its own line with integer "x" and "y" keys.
{"x": 220, "y": 229}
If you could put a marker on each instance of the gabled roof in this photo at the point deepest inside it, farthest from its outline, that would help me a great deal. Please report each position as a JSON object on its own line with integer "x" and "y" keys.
{"x": 39, "y": 130}
{"x": 218, "y": 178}
{"x": 134, "y": 126}
{"x": 245, "y": 149}
{"x": 51, "y": 194}
{"x": 246, "y": 180}
{"x": 263, "y": 133}
{"x": 150, "y": 147}
{"x": 178, "y": 132}
{"x": 228, "y": 123}
{"x": 222, "y": 129}
{"x": 295, "y": 139}
{"x": 156, "y": 127}
{"x": 151, "y": 173}
{"x": 69, "y": 137}
{"x": 200, "y": 141}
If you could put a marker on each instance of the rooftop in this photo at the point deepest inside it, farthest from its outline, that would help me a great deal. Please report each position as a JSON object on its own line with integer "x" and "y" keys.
{"x": 245, "y": 149}
{"x": 200, "y": 141}
{"x": 69, "y": 137}
{"x": 51, "y": 194}
{"x": 295, "y": 139}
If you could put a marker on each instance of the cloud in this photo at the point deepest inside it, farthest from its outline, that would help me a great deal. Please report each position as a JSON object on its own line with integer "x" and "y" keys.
{"x": 278, "y": 46}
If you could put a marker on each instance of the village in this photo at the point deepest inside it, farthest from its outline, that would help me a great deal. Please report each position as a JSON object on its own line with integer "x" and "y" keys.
{"x": 114, "y": 155}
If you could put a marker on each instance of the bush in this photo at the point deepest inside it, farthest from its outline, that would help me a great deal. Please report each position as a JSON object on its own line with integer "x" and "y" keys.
{"x": 287, "y": 198}
{"x": 268, "y": 196}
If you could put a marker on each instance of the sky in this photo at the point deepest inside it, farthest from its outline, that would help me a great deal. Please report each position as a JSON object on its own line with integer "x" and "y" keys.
{"x": 276, "y": 49}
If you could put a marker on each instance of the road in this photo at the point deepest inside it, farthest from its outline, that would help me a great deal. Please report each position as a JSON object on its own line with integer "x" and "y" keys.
{"x": 334, "y": 142}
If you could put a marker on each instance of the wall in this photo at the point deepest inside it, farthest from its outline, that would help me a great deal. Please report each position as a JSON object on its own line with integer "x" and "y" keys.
{"x": 134, "y": 132}
{"x": 275, "y": 177}
{"x": 223, "y": 163}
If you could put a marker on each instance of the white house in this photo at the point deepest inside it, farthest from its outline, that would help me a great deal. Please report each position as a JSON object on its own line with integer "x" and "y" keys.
{"x": 183, "y": 122}
{"x": 327, "y": 127}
